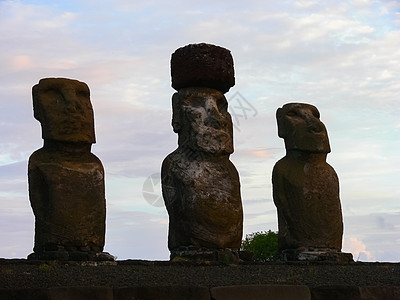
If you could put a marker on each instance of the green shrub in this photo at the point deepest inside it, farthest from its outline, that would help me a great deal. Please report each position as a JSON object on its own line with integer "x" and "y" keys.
{"x": 264, "y": 245}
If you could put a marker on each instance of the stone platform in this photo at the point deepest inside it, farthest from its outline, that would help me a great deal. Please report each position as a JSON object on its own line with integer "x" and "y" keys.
{"x": 136, "y": 279}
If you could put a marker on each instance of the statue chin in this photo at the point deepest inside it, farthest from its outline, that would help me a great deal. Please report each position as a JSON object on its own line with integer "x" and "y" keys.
{"x": 213, "y": 142}
{"x": 215, "y": 149}
{"x": 315, "y": 144}
{"x": 316, "y": 148}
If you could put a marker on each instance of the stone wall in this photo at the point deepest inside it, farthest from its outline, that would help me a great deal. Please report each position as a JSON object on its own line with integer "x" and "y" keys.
{"x": 242, "y": 292}
{"x": 136, "y": 279}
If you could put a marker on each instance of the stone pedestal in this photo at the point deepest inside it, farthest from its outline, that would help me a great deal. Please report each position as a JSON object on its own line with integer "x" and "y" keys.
{"x": 325, "y": 255}
{"x": 223, "y": 256}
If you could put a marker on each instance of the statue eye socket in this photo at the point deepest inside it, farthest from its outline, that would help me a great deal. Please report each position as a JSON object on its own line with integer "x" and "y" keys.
{"x": 291, "y": 113}
{"x": 222, "y": 105}
{"x": 82, "y": 93}
{"x": 193, "y": 101}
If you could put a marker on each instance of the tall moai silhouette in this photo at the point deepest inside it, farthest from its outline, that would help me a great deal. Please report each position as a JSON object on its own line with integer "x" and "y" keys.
{"x": 306, "y": 189}
{"x": 200, "y": 185}
{"x": 66, "y": 181}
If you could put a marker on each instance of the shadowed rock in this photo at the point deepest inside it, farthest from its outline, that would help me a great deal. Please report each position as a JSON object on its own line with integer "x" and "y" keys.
{"x": 66, "y": 181}
{"x": 306, "y": 187}
{"x": 201, "y": 187}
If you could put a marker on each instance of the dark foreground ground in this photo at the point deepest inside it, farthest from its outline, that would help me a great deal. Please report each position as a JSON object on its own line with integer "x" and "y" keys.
{"x": 134, "y": 279}
{"x": 22, "y": 273}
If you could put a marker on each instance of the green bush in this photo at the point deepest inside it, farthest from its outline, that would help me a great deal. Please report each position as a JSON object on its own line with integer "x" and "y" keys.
{"x": 264, "y": 245}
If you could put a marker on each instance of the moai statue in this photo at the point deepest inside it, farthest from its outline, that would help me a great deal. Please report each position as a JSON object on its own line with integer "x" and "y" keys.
{"x": 306, "y": 189}
{"x": 200, "y": 185}
{"x": 66, "y": 181}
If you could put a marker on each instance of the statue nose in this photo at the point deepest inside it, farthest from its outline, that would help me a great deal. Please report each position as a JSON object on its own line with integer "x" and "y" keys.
{"x": 314, "y": 124}
{"x": 213, "y": 122}
{"x": 72, "y": 105}
{"x": 211, "y": 107}
{"x": 214, "y": 117}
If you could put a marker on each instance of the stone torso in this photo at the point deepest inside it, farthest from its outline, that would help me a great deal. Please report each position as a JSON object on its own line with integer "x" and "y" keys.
{"x": 306, "y": 193}
{"x": 203, "y": 200}
{"x": 67, "y": 196}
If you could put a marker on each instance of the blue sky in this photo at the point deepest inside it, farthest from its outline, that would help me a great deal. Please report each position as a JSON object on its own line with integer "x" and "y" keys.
{"x": 343, "y": 57}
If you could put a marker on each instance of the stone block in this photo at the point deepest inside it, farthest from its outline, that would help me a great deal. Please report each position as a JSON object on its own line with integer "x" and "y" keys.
{"x": 336, "y": 293}
{"x": 80, "y": 293}
{"x": 261, "y": 292}
{"x": 23, "y": 294}
{"x": 380, "y": 292}
{"x": 162, "y": 293}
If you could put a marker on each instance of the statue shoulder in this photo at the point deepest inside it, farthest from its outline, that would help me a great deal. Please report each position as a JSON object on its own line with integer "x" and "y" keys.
{"x": 36, "y": 157}
{"x": 281, "y": 166}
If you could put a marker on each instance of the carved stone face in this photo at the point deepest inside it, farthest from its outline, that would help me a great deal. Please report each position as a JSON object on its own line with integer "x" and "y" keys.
{"x": 63, "y": 108}
{"x": 201, "y": 119}
{"x": 299, "y": 125}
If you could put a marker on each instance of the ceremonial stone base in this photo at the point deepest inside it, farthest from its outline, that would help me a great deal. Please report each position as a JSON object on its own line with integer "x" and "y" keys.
{"x": 152, "y": 280}
{"x": 74, "y": 255}
{"x": 224, "y": 256}
{"x": 316, "y": 255}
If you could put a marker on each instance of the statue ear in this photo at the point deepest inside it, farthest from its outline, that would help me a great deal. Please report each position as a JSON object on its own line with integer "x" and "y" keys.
{"x": 37, "y": 107}
{"x": 281, "y": 126}
{"x": 176, "y": 112}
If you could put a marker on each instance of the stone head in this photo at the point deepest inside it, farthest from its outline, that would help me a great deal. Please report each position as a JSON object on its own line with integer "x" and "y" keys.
{"x": 63, "y": 108}
{"x": 300, "y": 126}
{"x": 201, "y": 119}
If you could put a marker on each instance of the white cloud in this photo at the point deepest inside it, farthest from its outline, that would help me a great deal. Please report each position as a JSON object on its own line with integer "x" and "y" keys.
{"x": 137, "y": 235}
{"x": 376, "y": 231}
{"x": 361, "y": 3}
{"x": 357, "y": 248}
{"x": 21, "y": 62}
{"x": 304, "y": 4}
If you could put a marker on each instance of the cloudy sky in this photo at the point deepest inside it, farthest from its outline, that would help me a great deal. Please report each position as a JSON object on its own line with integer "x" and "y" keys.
{"x": 342, "y": 56}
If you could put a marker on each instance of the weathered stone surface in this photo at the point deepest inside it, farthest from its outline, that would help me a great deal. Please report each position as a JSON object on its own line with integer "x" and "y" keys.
{"x": 336, "y": 293}
{"x": 80, "y": 293}
{"x": 202, "y": 65}
{"x": 63, "y": 108}
{"x": 261, "y": 292}
{"x": 320, "y": 255}
{"x": 201, "y": 187}
{"x": 66, "y": 181}
{"x": 61, "y": 293}
{"x": 224, "y": 256}
{"x": 380, "y": 292}
{"x": 23, "y": 294}
{"x": 305, "y": 186}
{"x": 254, "y": 292}
{"x": 162, "y": 293}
